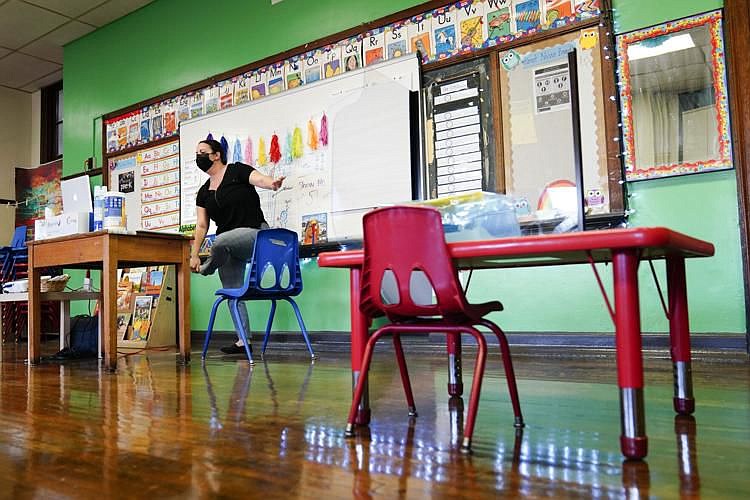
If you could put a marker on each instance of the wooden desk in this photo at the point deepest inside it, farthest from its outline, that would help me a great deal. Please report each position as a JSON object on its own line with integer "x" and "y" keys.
{"x": 625, "y": 248}
{"x": 108, "y": 252}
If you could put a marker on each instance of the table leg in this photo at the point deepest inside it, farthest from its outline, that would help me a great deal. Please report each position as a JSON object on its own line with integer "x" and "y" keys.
{"x": 633, "y": 440}
{"x": 34, "y": 310}
{"x": 679, "y": 336}
{"x": 360, "y": 327}
{"x": 109, "y": 304}
{"x": 183, "y": 303}
{"x": 64, "y": 323}
{"x": 455, "y": 376}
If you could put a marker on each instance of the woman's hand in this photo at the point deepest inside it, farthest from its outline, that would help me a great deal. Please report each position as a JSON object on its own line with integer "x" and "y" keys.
{"x": 277, "y": 182}
{"x": 195, "y": 264}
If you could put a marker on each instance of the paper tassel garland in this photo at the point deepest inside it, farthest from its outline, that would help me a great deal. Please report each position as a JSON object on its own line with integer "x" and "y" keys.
{"x": 209, "y": 137}
{"x": 237, "y": 153}
{"x": 224, "y": 146}
{"x": 275, "y": 152}
{"x": 324, "y": 130}
{"x": 312, "y": 136}
{"x": 298, "y": 147}
{"x": 262, "y": 158}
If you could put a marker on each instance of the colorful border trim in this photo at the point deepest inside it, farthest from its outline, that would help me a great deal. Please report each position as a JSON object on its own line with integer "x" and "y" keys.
{"x": 161, "y": 120}
{"x": 632, "y": 172}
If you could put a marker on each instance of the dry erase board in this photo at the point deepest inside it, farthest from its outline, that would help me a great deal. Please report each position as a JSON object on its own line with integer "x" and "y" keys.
{"x": 344, "y": 144}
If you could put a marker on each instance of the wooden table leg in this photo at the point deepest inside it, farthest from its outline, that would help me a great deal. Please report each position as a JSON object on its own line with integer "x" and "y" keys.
{"x": 34, "y": 312}
{"x": 679, "y": 336}
{"x": 109, "y": 304}
{"x": 183, "y": 303}
{"x": 360, "y": 327}
{"x": 633, "y": 440}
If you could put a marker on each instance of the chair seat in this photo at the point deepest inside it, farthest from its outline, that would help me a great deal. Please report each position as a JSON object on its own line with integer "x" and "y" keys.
{"x": 239, "y": 293}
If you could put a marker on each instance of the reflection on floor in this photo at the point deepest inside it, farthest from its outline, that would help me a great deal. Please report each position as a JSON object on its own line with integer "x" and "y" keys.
{"x": 156, "y": 428}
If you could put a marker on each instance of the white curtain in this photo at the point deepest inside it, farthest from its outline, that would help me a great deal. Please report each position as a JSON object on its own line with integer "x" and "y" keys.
{"x": 656, "y": 128}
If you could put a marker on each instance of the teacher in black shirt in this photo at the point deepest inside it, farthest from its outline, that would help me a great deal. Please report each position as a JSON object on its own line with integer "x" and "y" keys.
{"x": 230, "y": 200}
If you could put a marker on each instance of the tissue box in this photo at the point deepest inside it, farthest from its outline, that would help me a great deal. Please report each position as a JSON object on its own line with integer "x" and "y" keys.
{"x": 61, "y": 225}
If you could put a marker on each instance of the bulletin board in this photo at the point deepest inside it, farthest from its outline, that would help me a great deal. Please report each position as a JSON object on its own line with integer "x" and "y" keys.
{"x": 344, "y": 145}
{"x": 150, "y": 180}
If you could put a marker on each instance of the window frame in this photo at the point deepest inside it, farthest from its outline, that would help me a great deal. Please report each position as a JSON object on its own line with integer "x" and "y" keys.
{"x": 49, "y": 149}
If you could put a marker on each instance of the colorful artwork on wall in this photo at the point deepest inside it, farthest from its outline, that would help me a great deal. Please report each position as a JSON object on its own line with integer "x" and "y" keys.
{"x": 36, "y": 189}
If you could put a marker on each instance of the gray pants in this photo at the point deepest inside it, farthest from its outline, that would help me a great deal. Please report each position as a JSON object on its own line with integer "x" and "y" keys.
{"x": 229, "y": 254}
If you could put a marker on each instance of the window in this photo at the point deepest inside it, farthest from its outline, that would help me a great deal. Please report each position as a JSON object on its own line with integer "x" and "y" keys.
{"x": 51, "y": 136}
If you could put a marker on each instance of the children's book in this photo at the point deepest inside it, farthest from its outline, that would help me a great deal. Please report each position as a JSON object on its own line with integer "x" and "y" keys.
{"x": 123, "y": 321}
{"x": 142, "y": 316}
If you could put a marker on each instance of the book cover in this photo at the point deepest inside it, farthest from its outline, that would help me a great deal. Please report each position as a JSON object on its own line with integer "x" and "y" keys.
{"x": 123, "y": 321}
{"x": 142, "y": 316}
{"x": 314, "y": 228}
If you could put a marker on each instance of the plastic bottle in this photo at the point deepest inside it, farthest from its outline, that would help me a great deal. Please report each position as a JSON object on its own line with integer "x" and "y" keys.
{"x": 98, "y": 207}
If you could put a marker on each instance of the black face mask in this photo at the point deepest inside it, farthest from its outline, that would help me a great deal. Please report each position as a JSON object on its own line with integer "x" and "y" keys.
{"x": 203, "y": 161}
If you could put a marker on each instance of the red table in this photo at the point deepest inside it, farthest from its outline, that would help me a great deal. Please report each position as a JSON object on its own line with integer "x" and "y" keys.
{"x": 624, "y": 248}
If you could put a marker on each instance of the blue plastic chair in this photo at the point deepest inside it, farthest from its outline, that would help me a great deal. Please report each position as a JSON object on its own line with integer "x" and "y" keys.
{"x": 13, "y": 253}
{"x": 272, "y": 274}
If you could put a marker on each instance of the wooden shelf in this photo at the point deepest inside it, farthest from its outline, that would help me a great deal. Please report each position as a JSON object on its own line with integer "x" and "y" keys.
{"x": 51, "y": 296}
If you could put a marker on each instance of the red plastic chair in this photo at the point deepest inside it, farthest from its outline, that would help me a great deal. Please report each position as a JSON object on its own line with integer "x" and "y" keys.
{"x": 399, "y": 242}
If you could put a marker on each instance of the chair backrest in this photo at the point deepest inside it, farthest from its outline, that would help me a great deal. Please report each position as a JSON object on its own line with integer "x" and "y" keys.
{"x": 274, "y": 268}
{"x": 19, "y": 237}
{"x": 402, "y": 247}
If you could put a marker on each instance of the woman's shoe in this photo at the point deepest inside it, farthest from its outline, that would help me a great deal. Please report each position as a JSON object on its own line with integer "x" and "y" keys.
{"x": 235, "y": 349}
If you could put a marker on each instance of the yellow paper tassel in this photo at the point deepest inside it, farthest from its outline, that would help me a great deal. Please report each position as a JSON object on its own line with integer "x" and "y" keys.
{"x": 298, "y": 147}
{"x": 262, "y": 155}
{"x": 312, "y": 136}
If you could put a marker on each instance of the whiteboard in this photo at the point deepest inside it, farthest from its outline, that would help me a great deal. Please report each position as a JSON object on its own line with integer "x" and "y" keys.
{"x": 366, "y": 163}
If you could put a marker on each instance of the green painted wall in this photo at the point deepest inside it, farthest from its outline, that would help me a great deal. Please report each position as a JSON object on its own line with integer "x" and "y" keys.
{"x": 100, "y": 76}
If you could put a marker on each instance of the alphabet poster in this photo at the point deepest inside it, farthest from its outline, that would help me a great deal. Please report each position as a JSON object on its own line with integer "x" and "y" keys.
{"x": 226, "y": 94}
{"x": 242, "y": 89}
{"x": 293, "y": 72}
{"x": 258, "y": 84}
{"x": 420, "y": 36}
{"x": 444, "y": 32}
{"x": 332, "y": 62}
{"x": 528, "y": 15}
{"x": 395, "y": 41}
{"x": 471, "y": 24}
{"x": 313, "y": 66}
{"x": 275, "y": 75}
{"x": 374, "y": 46}
{"x": 352, "y": 54}
{"x": 499, "y": 19}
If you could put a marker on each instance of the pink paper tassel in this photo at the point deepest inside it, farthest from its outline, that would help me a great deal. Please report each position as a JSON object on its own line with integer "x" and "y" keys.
{"x": 324, "y": 130}
{"x": 249, "y": 151}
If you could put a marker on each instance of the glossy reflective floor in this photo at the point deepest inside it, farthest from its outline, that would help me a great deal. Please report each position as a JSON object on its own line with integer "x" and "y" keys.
{"x": 156, "y": 429}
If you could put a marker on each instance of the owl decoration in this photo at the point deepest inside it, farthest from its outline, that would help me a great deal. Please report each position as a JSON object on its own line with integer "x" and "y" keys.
{"x": 510, "y": 60}
{"x": 588, "y": 39}
{"x": 594, "y": 198}
{"x": 522, "y": 206}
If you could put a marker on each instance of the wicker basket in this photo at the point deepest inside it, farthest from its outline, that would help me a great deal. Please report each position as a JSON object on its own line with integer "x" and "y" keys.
{"x": 54, "y": 284}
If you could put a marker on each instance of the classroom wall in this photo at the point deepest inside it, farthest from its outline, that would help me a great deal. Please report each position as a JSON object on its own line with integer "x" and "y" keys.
{"x": 564, "y": 299}
{"x": 15, "y": 151}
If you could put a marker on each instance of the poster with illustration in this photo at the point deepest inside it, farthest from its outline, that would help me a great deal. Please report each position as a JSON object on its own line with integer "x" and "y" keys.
{"x": 471, "y": 25}
{"x": 112, "y": 138}
{"x": 314, "y": 229}
{"x": 258, "y": 84}
{"x": 242, "y": 89}
{"x": 444, "y": 33}
{"x": 126, "y": 182}
{"x": 499, "y": 19}
{"x": 156, "y": 123}
{"x": 211, "y": 97}
{"x": 196, "y": 106}
{"x": 332, "y": 64}
{"x": 145, "y": 125}
{"x": 142, "y": 316}
{"x": 293, "y": 72}
{"x": 275, "y": 75}
{"x": 420, "y": 36}
{"x": 134, "y": 130}
{"x": 587, "y": 8}
{"x": 373, "y": 45}
{"x": 528, "y": 15}
{"x": 226, "y": 94}
{"x": 123, "y": 321}
{"x": 313, "y": 66}
{"x": 183, "y": 108}
{"x": 170, "y": 117}
{"x": 396, "y": 41}
{"x": 556, "y": 10}
{"x": 122, "y": 134}
{"x": 352, "y": 53}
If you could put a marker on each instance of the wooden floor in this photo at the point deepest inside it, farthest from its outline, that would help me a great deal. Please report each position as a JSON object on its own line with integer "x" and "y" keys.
{"x": 159, "y": 430}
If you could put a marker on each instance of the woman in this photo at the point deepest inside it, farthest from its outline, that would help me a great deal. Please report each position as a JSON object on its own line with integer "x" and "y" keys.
{"x": 230, "y": 200}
